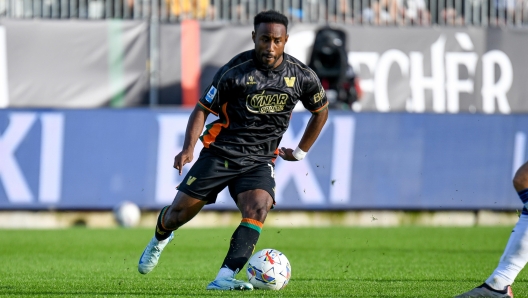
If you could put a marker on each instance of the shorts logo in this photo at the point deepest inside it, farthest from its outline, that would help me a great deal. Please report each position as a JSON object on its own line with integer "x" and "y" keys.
{"x": 318, "y": 96}
{"x": 289, "y": 81}
{"x": 210, "y": 94}
{"x": 262, "y": 103}
{"x": 191, "y": 180}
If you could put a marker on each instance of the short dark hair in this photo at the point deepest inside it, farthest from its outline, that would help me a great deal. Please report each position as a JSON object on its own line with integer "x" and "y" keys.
{"x": 270, "y": 16}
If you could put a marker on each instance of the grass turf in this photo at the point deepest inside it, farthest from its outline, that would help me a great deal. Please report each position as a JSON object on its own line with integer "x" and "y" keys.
{"x": 326, "y": 262}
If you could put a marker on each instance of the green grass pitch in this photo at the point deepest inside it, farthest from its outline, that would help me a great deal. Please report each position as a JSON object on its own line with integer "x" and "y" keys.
{"x": 326, "y": 262}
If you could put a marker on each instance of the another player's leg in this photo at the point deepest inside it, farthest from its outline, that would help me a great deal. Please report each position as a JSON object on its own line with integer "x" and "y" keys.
{"x": 515, "y": 254}
{"x": 183, "y": 209}
{"x": 254, "y": 205}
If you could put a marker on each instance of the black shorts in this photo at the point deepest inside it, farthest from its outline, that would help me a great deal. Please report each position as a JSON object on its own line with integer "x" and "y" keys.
{"x": 212, "y": 173}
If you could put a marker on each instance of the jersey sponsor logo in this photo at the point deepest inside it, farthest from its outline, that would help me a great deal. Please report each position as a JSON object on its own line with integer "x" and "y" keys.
{"x": 262, "y": 103}
{"x": 210, "y": 94}
{"x": 319, "y": 96}
{"x": 190, "y": 180}
{"x": 251, "y": 80}
{"x": 289, "y": 81}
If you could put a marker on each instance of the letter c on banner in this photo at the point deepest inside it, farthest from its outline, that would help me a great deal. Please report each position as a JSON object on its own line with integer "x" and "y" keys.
{"x": 381, "y": 78}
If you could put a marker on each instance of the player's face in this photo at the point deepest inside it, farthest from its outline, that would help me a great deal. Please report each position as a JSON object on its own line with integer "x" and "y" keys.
{"x": 270, "y": 39}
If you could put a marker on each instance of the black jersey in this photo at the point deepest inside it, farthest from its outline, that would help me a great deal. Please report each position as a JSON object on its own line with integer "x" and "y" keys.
{"x": 254, "y": 106}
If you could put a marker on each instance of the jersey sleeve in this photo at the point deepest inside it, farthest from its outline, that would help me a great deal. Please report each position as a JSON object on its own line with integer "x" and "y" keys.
{"x": 210, "y": 100}
{"x": 313, "y": 97}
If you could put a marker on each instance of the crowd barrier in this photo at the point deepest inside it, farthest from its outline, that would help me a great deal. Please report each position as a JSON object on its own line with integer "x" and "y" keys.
{"x": 94, "y": 159}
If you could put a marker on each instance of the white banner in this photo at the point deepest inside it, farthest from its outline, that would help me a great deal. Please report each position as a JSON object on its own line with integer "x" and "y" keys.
{"x": 4, "y": 91}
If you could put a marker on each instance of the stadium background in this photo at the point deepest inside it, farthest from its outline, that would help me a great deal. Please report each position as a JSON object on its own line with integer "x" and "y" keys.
{"x": 96, "y": 95}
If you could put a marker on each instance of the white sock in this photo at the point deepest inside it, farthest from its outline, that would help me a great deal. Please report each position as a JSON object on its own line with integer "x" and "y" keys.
{"x": 514, "y": 257}
{"x": 225, "y": 273}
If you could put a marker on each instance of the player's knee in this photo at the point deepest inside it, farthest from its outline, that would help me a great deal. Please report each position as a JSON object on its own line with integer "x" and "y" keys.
{"x": 255, "y": 211}
{"x": 520, "y": 180}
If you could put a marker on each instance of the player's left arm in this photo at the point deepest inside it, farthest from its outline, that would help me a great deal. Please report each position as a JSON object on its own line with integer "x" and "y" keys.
{"x": 314, "y": 99}
{"x": 312, "y": 131}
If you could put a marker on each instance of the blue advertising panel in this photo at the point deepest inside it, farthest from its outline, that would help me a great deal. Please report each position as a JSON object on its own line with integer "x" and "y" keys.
{"x": 94, "y": 159}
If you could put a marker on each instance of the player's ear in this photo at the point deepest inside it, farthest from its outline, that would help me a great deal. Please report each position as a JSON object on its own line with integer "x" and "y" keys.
{"x": 286, "y": 40}
{"x": 253, "y": 36}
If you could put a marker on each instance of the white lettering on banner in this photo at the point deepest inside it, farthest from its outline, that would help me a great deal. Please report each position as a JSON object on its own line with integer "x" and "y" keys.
{"x": 381, "y": 77}
{"x": 370, "y": 60}
{"x": 419, "y": 82}
{"x": 301, "y": 172}
{"x": 4, "y": 91}
{"x": 11, "y": 175}
{"x": 519, "y": 149}
{"x": 51, "y": 157}
{"x": 444, "y": 81}
{"x": 454, "y": 86}
{"x": 464, "y": 41}
{"x": 492, "y": 89}
{"x": 342, "y": 158}
{"x": 171, "y": 134}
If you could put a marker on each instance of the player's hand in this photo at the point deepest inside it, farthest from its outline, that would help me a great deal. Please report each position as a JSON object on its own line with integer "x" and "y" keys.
{"x": 287, "y": 154}
{"x": 181, "y": 159}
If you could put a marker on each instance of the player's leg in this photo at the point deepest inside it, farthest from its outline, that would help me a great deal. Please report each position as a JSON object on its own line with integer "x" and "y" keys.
{"x": 183, "y": 209}
{"x": 515, "y": 254}
{"x": 205, "y": 179}
{"x": 254, "y": 194}
{"x": 254, "y": 206}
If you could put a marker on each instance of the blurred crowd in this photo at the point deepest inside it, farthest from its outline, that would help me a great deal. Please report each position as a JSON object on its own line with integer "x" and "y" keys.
{"x": 375, "y": 12}
{"x": 372, "y": 12}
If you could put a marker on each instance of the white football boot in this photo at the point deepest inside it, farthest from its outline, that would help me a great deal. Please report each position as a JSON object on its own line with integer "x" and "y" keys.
{"x": 150, "y": 257}
{"x": 228, "y": 284}
{"x": 483, "y": 291}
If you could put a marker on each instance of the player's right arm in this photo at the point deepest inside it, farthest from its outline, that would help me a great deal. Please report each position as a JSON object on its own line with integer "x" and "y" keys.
{"x": 192, "y": 133}
{"x": 208, "y": 103}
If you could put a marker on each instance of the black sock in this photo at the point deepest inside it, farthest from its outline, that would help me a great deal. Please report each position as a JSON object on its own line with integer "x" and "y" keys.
{"x": 161, "y": 233}
{"x": 242, "y": 244}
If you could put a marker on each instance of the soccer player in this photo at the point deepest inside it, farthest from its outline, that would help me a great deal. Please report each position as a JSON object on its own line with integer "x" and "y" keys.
{"x": 253, "y": 95}
{"x": 515, "y": 254}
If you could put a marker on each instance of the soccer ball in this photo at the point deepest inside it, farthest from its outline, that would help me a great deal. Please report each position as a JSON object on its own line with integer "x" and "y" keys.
{"x": 127, "y": 214}
{"x": 269, "y": 269}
